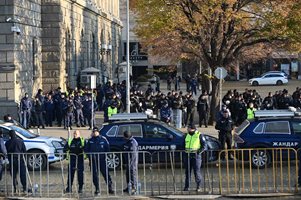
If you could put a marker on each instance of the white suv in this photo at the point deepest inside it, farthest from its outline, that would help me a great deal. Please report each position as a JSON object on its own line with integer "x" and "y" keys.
{"x": 40, "y": 149}
{"x": 269, "y": 79}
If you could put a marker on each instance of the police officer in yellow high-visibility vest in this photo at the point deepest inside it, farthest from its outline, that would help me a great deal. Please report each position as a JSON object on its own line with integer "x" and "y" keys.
{"x": 250, "y": 111}
{"x": 75, "y": 154}
{"x": 194, "y": 145}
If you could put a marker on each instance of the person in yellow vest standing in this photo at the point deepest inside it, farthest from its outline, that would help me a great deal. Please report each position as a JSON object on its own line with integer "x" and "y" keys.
{"x": 194, "y": 145}
{"x": 250, "y": 111}
{"x": 112, "y": 109}
{"x": 75, "y": 154}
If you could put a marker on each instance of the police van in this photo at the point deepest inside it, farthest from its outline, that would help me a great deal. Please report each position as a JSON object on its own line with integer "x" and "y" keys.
{"x": 40, "y": 149}
{"x": 152, "y": 135}
{"x": 269, "y": 129}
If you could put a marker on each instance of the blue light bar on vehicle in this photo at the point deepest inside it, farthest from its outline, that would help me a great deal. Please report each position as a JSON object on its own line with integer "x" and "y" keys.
{"x": 274, "y": 113}
{"x": 128, "y": 116}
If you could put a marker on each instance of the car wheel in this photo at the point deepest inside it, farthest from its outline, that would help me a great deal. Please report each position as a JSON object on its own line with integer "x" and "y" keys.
{"x": 279, "y": 82}
{"x": 36, "y": 160}
{"x": 255, "y": 83}
{"x": 113, "y": 161}
{"x": 260, "y": 158}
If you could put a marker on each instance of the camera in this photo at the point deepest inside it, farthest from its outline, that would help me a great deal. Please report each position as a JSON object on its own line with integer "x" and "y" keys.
{"x": 16, "y": 30}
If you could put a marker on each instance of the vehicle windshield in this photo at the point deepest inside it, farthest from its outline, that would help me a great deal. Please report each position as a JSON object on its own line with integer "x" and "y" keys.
{"x": 174, "y": 130}
{"x": 242, "y": 127}
{"x": 23, "y": 132}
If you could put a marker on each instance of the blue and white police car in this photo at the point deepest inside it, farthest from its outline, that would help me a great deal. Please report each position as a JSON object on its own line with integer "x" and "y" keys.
{"x": 40, "y": 149}
{"x": 270, "y": 129}
{"x": 152, "y": 135}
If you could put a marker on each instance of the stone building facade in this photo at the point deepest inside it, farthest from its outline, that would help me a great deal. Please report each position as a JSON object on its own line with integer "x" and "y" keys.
{"x": 47, "y": 43}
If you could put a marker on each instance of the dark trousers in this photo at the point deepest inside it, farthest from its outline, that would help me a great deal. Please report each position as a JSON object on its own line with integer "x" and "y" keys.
{"x": 68, "y": 119}
{"x": 76, "y": 163}
{"x": 189, "y": 119}
{"x": 49, "y": 118}
{"x": 194, "y": 91}
{"x": 193, "y": 161}
{"x": 131, "y": 174}
{"x": 39, "y": 119}
{"x": 225, "y": 138}
{"x": 99, "y": 165}
{"x": 17, "y": 164}
{"x": 79, "y": 119}
{"x": 203, "y": 116}
{"x": 25, "y": 118}
{"x": 59, "y": 116}
{"x": 88, "y": 118}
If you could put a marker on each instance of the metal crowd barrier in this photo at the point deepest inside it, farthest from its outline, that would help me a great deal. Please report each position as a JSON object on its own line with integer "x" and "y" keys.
{"x": 242, "y": 171}
{"x": 159, "y": 173}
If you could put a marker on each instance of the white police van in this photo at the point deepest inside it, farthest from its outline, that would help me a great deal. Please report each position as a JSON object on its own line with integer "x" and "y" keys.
{"x": 40, "y": 149}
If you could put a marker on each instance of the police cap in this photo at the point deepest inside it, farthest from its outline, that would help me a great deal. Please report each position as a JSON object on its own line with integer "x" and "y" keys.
{"x": 192, "y": 126}
{"x": 127, "y": 134}
{"x": 95, "y": 129}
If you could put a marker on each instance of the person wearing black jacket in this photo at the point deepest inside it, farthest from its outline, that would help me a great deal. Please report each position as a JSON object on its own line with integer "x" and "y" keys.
{"x": 131, "y": 159}
{"x": 75, "y": 153}
{"x": 3, "y": 154}
{"x": 190, "y": 104}
{"x": 203, "y": 110}
{"x": 15, "y": 150}
{"x": 225, "y": 126}
{"x": 39, "y": 110}
{"x": 69, "y": 110}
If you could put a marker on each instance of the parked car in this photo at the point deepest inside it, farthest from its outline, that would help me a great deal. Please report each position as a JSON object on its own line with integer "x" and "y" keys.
{"x": 152, "y": 136}
{"x": 278, "y": 72}
{"x": 40, "y": 149}
{"x": 269, "y": 79}
{"x": 279, "y": 129}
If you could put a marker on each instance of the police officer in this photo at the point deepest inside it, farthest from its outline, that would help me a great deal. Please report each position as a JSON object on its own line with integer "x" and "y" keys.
{"x": 131, "y": 160}
{"x": 75, "y": 152}
{"x": 49, "y": 109}
{"x": 165, "y": 112}
{"x": 58, "y": 99}
{"x": 250, "y": 111}
{"x": 225, "y": 126}
{"x": 190, "y": 104}
{"x": 79, "y": 118}
{"x": 39, "y": 110}
{"x": 194, "y": 145}
{"x": 203, "y": 110}
{"x": 25, "y": 107}
{"x": 87, "y": 111}
{"x": 3, "y": 153}
{"x": 15, "y": 150}
{"x": 96, "y": 148}
{"x": 112, "y": 109}
{"x": 69, "y": 108}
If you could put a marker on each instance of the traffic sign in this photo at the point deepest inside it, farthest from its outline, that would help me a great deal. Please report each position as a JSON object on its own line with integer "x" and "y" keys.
{"x": 220, "y": 73}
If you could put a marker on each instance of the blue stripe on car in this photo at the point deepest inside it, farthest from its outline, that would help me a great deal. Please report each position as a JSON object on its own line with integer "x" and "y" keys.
{"x": 34, "y": 141}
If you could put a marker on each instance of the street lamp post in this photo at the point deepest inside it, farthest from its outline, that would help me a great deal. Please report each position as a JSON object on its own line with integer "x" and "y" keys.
{"x": 127, "y": 57}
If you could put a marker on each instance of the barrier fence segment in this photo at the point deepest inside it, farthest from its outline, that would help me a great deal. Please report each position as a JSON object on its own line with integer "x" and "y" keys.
{"x": 260, "y": 170}
{"x": 236, "y": 171}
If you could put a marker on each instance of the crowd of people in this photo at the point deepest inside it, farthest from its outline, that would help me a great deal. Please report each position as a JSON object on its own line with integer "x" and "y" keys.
{"x": 74, "y": 107}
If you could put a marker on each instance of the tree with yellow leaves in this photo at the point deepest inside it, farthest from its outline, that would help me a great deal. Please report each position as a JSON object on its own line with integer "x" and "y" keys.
{"x": 218, "y": 32}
